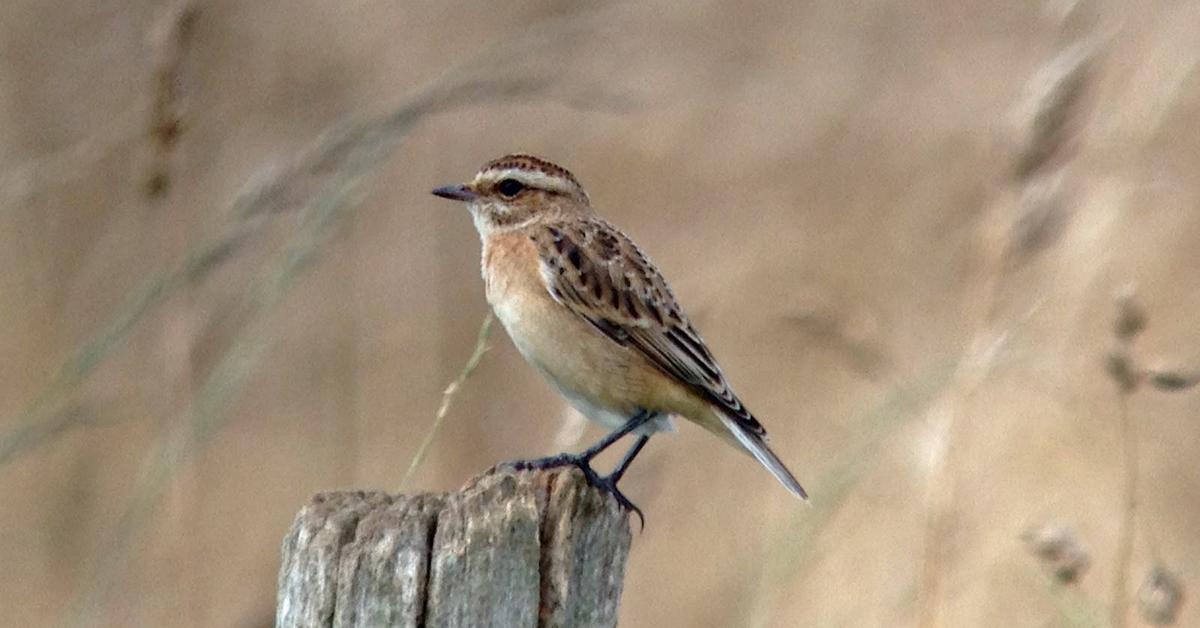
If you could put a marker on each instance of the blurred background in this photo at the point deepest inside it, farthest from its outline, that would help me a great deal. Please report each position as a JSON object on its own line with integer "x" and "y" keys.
{"x": 945, "y": 251}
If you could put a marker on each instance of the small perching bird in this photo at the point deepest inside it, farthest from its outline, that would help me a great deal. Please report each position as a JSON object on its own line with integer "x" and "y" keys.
{"x": 589, "y": 311}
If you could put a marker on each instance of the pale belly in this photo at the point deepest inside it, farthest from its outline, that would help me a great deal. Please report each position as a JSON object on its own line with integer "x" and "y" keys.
{"x": 601, "y": 379}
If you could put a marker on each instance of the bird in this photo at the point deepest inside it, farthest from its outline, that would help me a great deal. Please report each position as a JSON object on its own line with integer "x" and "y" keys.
{"x": 589, "y": 311}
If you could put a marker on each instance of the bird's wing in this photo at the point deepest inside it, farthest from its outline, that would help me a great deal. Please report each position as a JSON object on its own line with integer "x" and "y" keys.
{"x": 600, "y": 274}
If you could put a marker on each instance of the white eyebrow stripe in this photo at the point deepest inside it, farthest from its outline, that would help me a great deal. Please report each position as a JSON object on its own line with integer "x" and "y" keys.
{"x": 531, "y": 178}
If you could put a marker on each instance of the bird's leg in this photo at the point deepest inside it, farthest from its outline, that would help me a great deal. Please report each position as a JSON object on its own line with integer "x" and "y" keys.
{"x": 583, "y": 460}
{"x": 609, "y": 482}
{"x": 634, "y": 422}
{"x": 619, "y": 471}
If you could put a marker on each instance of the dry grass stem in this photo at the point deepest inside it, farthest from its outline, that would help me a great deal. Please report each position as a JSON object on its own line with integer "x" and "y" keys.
{"x": 1130, "y": 322}
{"x": 1049, "y": 122}
{"x": 1160, "y": 594}
{"x": 170, "y": 42}
{"x": 789, "y": 549}
{"x": 1054, "y": 111}
{"x": 481, "y": 347}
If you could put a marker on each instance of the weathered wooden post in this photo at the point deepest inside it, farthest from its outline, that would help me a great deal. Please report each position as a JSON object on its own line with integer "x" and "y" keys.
{"x": 511, "y": 549}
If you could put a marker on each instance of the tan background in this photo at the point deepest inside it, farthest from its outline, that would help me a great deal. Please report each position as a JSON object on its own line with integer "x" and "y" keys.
{"x": 830, "y": 186}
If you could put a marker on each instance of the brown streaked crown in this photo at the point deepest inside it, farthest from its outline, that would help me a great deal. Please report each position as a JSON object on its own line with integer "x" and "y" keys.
{"x": 521, "y": 161}
{"x": 554, "y": 183}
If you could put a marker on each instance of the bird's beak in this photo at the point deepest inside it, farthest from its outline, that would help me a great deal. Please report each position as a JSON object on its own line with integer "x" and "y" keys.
{"x": 460, "y": 192}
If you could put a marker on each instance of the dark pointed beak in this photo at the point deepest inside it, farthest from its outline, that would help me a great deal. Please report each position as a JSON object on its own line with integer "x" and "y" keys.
{"x": 455, "y": 192}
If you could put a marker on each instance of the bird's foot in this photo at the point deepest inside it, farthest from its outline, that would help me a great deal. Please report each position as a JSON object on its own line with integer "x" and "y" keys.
{"x": 606, "y": 483}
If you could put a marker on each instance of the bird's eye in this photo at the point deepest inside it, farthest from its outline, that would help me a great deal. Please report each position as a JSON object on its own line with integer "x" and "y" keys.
{"x": 510, "y": 187}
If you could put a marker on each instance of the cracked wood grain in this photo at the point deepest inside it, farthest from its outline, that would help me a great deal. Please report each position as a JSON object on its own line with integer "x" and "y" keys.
{"x": 530, "y": 548}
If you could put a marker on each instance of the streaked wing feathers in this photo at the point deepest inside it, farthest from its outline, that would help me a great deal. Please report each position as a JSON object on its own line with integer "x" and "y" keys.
{"x": 600, "y": 274}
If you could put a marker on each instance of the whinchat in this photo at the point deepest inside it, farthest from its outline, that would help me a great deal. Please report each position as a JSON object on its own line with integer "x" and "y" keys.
{"x": 588, "y": 310}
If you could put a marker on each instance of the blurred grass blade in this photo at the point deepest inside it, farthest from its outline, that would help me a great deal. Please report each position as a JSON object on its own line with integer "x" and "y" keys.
{"x": 481, "y": 347}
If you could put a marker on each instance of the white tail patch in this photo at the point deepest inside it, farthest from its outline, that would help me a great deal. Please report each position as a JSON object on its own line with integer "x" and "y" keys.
{"x": 763, "y": 454}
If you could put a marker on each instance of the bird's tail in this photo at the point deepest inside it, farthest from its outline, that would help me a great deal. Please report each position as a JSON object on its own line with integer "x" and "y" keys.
{"x": 757, "y": 447}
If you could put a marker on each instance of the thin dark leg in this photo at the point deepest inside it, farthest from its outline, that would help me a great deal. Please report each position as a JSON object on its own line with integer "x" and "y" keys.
{"x": 586, "y": 456}
{"x": 609, "y": 482}
{"x": 638, "y": 420}
{"x": 616, "y": 474}
{"x": 583, "y": 460}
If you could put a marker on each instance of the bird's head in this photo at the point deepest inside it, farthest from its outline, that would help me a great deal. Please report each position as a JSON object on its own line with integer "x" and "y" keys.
{"x": 517, "y": 189}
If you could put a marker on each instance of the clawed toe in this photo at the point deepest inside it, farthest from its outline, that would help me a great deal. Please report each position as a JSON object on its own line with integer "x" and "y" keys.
{"x": 607, "y": 483}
